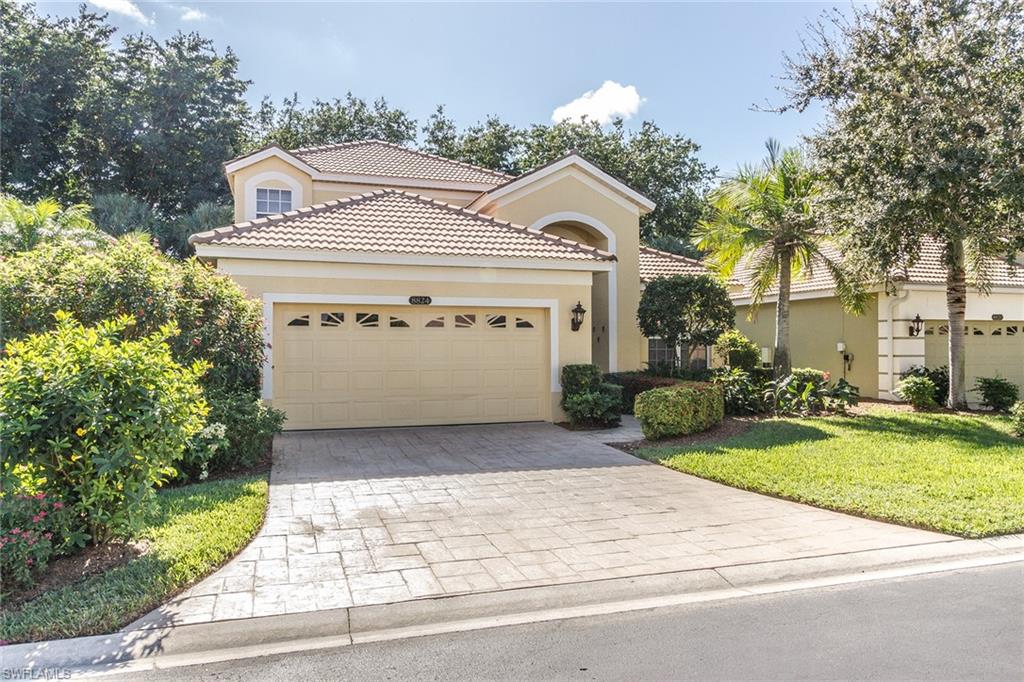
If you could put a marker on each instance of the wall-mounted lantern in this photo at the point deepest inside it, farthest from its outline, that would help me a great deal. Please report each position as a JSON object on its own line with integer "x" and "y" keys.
{"x": 578, "y": 313}
{"x": 916, "y": 325}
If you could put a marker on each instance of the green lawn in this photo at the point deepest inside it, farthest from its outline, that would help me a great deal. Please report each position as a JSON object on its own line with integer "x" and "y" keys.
{"x": 196, "y": 529}
{"x": 957, "y": 474}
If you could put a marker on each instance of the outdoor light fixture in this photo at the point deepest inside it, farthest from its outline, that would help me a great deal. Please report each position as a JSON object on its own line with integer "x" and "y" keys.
{"x": 578, "y": 314}
{"x": 915, "y": 325}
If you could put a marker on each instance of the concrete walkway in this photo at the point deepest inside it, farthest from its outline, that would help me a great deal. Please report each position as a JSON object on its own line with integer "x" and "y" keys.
{"x": 389, "y": 515}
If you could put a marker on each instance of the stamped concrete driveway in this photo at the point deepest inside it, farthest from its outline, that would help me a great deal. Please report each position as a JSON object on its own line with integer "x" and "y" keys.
{"x": 385, "y": 515}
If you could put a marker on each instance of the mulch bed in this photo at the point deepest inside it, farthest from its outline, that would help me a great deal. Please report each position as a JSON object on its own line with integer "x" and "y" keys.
{"x": 730, "y": 426}
{"x": 70, "y": 569}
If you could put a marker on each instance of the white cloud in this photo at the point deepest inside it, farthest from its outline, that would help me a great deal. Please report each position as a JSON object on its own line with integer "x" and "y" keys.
{"x": 191, "y": 14}
{"x": 123, "y": 7}
{"x": 609, "y": 101}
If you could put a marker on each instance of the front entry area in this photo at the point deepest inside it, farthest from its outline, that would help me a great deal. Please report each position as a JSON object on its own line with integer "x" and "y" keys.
{"x": 347, "y": 366}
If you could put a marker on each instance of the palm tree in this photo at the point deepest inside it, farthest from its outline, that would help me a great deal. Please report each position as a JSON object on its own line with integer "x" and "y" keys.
{"x": 24, "y": 226}
{"x": 763, "y": 222}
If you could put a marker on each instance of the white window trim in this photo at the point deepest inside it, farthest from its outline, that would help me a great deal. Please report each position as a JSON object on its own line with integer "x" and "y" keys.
{"x": 269, "y": 300}
{"x": 280, "y": 200}
{"x": 613, "y": 279}
{"x": 255, "y": 181}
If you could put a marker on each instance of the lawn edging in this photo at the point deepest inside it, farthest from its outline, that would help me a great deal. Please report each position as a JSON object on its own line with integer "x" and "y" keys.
{"x": 195, "y": 530}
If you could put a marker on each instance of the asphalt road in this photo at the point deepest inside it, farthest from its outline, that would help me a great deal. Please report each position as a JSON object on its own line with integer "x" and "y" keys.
{"x": 962, "y": 625}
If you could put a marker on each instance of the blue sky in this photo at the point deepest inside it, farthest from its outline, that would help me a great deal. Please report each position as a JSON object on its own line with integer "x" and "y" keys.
{"x": 694, "y": 68}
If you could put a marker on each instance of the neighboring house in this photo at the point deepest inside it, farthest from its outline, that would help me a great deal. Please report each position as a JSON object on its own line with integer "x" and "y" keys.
{"x": 402, "y": 288}
{"x": 880, "y": 344}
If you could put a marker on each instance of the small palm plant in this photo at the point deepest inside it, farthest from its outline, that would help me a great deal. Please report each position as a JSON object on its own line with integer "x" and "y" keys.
{"x": 764, "y": 225}
{"x": 25, "y": 226}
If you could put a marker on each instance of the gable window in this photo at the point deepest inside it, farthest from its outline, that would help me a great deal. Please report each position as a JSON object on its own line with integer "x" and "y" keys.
{"x": 270, "y": 201}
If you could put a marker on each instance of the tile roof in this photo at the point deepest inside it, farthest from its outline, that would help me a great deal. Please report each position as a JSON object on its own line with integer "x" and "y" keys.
{"x": 374, "y": 157}
{"x": 927, "y": 270}
{"x": 655, "y": 264}
{"x": 395, "y": 222}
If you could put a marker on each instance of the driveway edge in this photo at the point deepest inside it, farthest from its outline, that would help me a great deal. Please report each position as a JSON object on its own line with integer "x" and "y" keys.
{"x": 175, "y": 646}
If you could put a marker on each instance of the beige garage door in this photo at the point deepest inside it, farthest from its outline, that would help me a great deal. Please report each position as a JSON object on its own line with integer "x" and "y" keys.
{"x": 338, "y": 366}
{"x": 993, "y": 349}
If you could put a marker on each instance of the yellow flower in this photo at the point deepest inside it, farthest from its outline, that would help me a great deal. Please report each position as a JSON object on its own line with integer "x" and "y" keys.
{"x": 80, "y": 431}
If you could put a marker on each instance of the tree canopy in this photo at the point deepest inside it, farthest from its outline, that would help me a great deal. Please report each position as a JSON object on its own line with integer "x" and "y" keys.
{"x": 924, "y": 138}
{"x": 663, "y": 166}
{"x": 87, "y": 115}
{"x": 686, "y": 310}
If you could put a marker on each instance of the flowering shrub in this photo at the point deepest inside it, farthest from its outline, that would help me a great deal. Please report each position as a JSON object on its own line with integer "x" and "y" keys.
{"x": 33, "y": 529}
{"x": 218, "y": 323}
{"x": 195, "y": 464}
{"x": 100, "y": 421}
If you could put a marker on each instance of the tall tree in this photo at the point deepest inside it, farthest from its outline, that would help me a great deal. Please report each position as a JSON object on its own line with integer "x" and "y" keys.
{"x": 47, "y": 68}
{"x": 440, "y": 135}
{"x": 329, "y": 122}
{"x": 83, "y": 116}
{"x": 763, "y": 219}
{"x": 924, "y": 139}
{"x": 178, "y": 113}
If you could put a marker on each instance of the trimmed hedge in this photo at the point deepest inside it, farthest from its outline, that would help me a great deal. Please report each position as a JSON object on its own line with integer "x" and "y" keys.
{"x": 688, "y": 407}
{"x": 586, "y": 399}
{"x": 635, "y": 383}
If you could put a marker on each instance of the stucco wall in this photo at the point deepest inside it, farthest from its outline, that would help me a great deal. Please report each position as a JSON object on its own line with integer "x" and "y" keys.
{"x": 569, "y": 192}
{"x": 565, "y": 287}
{"x": 816, "y": 326}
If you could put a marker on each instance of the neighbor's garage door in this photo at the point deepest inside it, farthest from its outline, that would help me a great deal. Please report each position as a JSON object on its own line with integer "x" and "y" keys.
{"x": 338, "y": 366}
{"x": 993, "y": 349}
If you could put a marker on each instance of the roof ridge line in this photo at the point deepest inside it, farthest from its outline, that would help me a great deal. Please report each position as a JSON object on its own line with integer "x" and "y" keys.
{"x": 395, "y": 145}
{"x": 454, "y": 208}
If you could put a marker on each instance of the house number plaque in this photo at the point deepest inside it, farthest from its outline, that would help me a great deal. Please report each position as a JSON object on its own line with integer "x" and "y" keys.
{"x": 419, "y": 300}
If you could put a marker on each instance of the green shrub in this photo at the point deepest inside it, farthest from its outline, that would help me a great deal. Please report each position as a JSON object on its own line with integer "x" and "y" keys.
{"x": 249, "y": 425}
{"x": 635, "y": 383}
{"x": 918, "y": 391}
{"x": 743, "y": 391}
{"x": 218, "y": 323}
{"x": 602, "y": 407}
{"x": 1017, "y": 418}
{"x": 577, "y": 379}
{"x": 688, "y": 407}
{"x": 808, "y": 375}
{"x": 101, "y": 421}
{"x": 939, "y": 377}
{"x": 737, "y": 351}
{"x": 997, "y": 393}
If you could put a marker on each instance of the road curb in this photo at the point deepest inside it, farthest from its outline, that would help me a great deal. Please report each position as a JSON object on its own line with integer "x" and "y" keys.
{"x": 168, "y": 647}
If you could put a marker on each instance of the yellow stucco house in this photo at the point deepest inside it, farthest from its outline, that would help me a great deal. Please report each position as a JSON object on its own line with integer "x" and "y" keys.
{"x": 401, "y": 288}
{"x": 898, "y": 329}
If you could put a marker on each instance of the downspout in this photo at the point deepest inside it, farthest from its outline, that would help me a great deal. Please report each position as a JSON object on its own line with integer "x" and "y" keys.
{"x": 901, "y": 295}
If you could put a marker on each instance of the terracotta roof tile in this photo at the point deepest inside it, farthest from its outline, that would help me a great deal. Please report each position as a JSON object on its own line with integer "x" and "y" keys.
{"x": 927, "y": 270}
{"x": 655, "y": 264}
{"x": 395, "y": 222}
{"x": 374, "y": 157}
